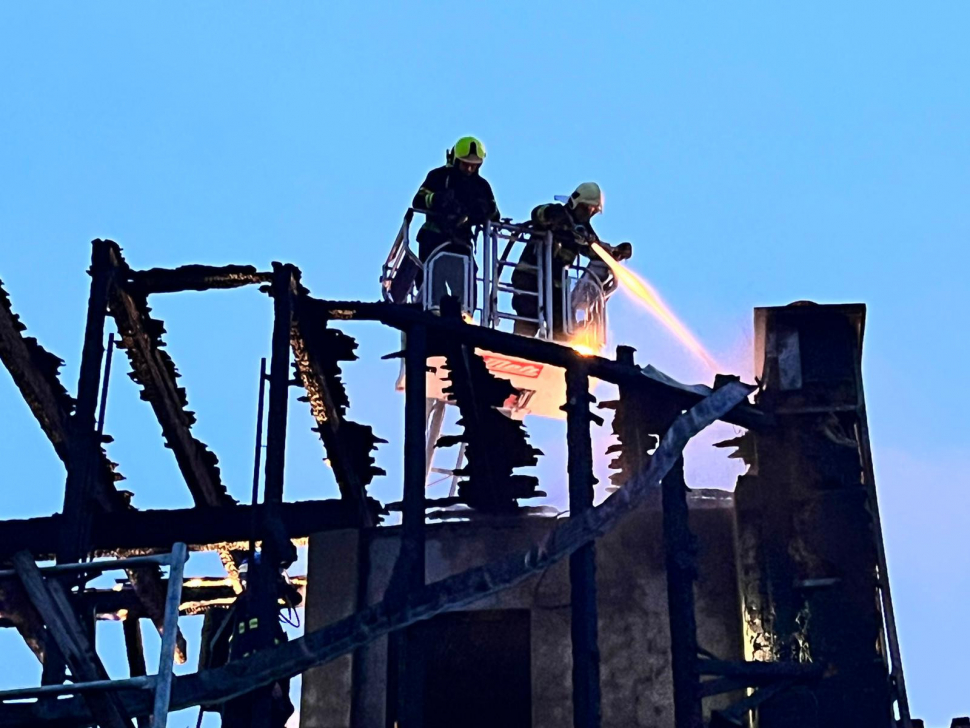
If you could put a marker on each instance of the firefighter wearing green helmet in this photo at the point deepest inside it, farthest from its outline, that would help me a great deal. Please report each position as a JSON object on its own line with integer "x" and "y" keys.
{"x": 572, "y": 234}
{"x": 456, "y": 197}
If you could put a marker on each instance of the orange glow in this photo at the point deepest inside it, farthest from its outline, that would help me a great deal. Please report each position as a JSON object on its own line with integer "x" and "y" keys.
{"x": 644, "y": 293}
{"x": 585, "y": 344}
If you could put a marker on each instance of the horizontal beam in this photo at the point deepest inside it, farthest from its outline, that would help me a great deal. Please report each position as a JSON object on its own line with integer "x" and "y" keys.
{"x": 200, "y": 526}
{"x": 195, "y": 278}
{"x": 538, "y": 350}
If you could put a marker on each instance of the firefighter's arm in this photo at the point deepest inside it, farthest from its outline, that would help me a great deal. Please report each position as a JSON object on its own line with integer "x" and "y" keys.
{"x": 434, "y": 194}
{"x": 551, "y": 217}
{"x": 424, "y": 198}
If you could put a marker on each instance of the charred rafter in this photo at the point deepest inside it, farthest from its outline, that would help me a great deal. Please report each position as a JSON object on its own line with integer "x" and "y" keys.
{"x": 318, "y": 351}
{"x": 153, "y": 369}
{"x": 495, "y": 444}
{"x": 35, "y": 372}
{"x": 194, "y": 278}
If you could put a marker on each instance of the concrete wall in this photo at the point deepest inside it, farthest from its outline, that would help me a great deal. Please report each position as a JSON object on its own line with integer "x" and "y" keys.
{"x": 633, "y": 631}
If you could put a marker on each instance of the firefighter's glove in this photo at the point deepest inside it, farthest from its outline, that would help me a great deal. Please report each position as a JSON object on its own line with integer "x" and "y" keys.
{"x": 481, "y": 211}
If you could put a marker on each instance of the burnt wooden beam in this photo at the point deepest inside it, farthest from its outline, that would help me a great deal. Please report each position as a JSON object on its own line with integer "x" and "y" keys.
{"x": 410, "y": 569}
{"x": 84, "y": 446}
{"x": 35, "y": 372}
{"x": 195, "y": 278}
{"x": 679, "y": 552}
{"x": 50, "y": 600}
{"x": 317, "y": 351}
{"x": 547, "y": 352}
{"x": 135, "y": 651}
{"x": 587, "y": 711}
{"x": 132, "y": 530}
{"x": 454, "y": 592}
{"x": 153, "y": 369}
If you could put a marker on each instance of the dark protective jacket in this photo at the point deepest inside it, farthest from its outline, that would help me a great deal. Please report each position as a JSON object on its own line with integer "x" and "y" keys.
{"x": 568, "y": 239}
{"x": 456, "y": 201}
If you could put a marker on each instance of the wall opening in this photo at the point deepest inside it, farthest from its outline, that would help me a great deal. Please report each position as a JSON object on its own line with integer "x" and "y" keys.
{"x": 476, "y": 670}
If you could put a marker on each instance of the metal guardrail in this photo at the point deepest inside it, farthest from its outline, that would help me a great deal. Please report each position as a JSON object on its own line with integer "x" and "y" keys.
{"x": 486, "y": 267}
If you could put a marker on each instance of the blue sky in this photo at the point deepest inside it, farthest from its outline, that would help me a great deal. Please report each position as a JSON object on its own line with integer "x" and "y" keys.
{"x": 754, "y": 155}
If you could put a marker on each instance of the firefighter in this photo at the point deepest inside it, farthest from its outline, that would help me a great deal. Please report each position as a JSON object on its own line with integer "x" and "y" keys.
{"x": 245, "y": 637}
{"x": 572, "y": 235}
{"x": 456, "y": 197}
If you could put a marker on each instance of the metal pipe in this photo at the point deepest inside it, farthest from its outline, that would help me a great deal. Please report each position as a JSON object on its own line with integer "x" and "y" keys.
{"x": 541, "y": 278}
{"x": 166, "y": 657}
{"x": 141, "y": 683}
{"x": 435, "y": 419}
{"x": 550, "y": 288}
{"x": 104, "y": 383}
{"x": 98, "y": 566}
{"x": 258, "y": 454}
{"x": 487, "y": 274}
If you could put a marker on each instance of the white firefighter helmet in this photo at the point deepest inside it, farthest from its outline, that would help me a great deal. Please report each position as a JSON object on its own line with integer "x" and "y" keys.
{"x": 588, "y": 193}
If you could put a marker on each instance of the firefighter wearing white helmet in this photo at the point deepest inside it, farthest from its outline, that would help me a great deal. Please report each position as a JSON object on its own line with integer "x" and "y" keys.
{"x": 572, "y": 236}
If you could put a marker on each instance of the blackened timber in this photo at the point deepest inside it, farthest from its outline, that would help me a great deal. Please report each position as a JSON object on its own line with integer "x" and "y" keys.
{"x": 135, "y": 651}
{"x": 409, "y": 571}
{"x": 84, "y": 446}
{"x": 317, "y": 351}
{"x": 195, "y": 278}
{"x": 202, "y": 526}
{"x": 582, "y": 563}
{"x": 496, "y": 445}
{"x": 50, "y": 600}
{"x": 546, "y": 352}
{"x": 35, "y": 372}
{"x": 454, "y": 592}
{"x": 153, "y": 369}
{"x": 681, "y": 571}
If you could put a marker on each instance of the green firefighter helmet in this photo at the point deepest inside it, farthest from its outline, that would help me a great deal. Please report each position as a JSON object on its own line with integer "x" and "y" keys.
{"x": 468, "y": 149}
{"x": 588, "y": 193}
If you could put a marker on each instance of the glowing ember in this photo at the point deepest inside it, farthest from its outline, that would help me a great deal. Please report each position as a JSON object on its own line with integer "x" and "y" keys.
{"x": 585, "y": 344}
{"x": 642, "y": 291}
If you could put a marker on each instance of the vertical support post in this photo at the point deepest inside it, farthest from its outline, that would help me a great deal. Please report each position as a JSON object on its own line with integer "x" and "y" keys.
{"x": 263, "y": 579}
{"x": 679, "y": 558}
{"x": 582, "y": 563}
{"x": 410, "y": 570}
{"x": 82, "y": 461}
{"x": 135, "y": 649}
{"x": 166, "y": 658}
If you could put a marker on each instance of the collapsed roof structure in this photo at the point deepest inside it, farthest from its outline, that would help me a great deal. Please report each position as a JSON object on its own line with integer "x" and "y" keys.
{"x": 817, "y": 611}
